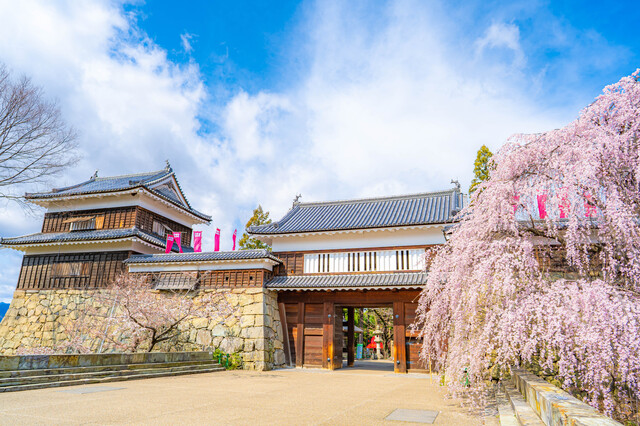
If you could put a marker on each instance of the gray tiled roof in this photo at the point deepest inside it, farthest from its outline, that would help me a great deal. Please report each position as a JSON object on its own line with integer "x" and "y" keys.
{"x": 97, "y": 185}
{"x": 97, "y": 235}
{"x": 406, "y": 210}
{"x": 203, "y": 256}
{"x": 348, "y": 281}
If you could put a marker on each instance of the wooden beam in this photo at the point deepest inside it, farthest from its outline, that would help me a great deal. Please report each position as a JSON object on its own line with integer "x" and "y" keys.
{"x": 285, "y": 333}
{"x": 350, "y": 337}
{"x": 399, "y": 341}
{"x": 300, "y": 336}
{"x": 356, "y": 298}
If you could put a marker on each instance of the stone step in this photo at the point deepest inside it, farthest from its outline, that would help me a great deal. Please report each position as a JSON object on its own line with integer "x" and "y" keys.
{"x": 80, "y": 369}
{"x": 525, "y": 415}
{"x": 506, "y": 414}
{"x": 16, "y": 381}
{"x": 108, "y": 379}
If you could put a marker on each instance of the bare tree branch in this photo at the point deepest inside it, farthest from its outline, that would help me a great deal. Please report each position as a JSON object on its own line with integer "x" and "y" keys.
{"x": 35, "y": 142}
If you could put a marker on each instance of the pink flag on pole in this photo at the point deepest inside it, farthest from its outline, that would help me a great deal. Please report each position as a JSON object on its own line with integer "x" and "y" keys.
{"x": 216, "y": 246}
{"x": 177, "y": 237}
{"x": 197, "y": 241}
{"x": 542, "y": 205}
{"x": 235, "y": 235}
{"x": 169, "y": 243}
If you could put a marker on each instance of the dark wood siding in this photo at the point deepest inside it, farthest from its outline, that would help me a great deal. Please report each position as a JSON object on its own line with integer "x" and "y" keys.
{"x": 234, "y": 278}
{"x": 145, "y": 218}
{"x": 37, "y": 271}
{"x": 292, "y": 263}
{"x": 121, "y": 217}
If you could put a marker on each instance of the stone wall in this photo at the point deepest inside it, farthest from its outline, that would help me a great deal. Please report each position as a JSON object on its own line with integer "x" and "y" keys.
{"x": 40, "y": 319}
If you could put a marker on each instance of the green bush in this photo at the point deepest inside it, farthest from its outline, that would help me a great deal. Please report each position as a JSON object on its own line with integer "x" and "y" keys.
{"x": 228, "y": 361}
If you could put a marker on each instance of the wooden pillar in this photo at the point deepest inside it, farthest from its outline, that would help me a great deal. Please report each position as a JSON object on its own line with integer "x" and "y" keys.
{"x": 350, "y": 338}
{"x": 300, "y": 336}
{"x": 327, "y": 335}
{"x": 399, "y": 339}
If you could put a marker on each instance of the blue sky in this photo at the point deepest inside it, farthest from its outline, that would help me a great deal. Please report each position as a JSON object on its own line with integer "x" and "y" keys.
{"x": 254, "y": 102}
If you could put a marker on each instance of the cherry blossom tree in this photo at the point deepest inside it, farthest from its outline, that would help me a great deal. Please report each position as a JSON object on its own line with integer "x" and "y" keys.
{"x": 543, "y": 267}
{"x": 130, "y": 316}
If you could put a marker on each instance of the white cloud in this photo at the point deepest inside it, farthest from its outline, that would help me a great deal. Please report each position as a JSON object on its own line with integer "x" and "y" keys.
{"x": 501, "y": 35}
{"x": 394, "y": 107}
{"x": 185, "y": 39}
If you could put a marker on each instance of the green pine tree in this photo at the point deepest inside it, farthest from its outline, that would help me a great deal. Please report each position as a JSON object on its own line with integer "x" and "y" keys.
{"x": 259, "y": 218}
{"x": 482, "y": 167}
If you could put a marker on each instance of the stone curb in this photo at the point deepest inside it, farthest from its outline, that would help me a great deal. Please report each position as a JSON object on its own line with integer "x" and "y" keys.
{"x": 555, "y": 406}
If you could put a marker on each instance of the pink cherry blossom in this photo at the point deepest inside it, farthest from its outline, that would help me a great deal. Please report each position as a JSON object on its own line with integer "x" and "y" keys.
{"x": 562, "y": 290}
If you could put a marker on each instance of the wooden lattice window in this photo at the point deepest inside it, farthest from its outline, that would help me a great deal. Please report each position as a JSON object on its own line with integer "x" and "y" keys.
{"x": 71, "y": 269}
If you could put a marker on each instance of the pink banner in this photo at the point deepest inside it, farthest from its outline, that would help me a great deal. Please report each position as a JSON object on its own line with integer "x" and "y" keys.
{"x": 564, "y": 204}
{"x": 197, "y": 241}
{"x": 542, "y": 205}
{"x": 590, "y": 209}
{"x": 235, "y": 235}
{"x": 177, "y": 237}
{"x": 217, "y": 241}
{"x": 169, "y": 243}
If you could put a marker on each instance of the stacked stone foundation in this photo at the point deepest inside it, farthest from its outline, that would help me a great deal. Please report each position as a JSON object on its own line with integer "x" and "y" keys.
{"x": 37, "y": 320}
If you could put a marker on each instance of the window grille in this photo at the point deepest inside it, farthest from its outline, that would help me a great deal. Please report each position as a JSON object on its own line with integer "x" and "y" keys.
{"x": 71, "y": 269}
{"x": 365, "y": 261}
{"x": 82, "y": 224}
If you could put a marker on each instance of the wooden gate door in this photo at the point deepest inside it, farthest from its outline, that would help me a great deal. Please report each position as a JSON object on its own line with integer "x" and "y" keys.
{"x": 338, "y": 338}
{"x": 332, "y": 336}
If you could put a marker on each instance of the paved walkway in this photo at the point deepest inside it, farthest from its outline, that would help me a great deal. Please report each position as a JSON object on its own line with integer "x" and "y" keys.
{"x": 289, "y": 396}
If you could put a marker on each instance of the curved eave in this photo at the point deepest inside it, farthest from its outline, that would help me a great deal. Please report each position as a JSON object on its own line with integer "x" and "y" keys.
{"x": 200, "y": 262}
{"x": 44, "y": 201}
{"x": 338, "y": 288}
{"x": 134, "y": 239}
{"x": 349, "y": 231}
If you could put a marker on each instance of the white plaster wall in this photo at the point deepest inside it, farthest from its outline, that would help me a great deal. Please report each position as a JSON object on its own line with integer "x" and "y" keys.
{"x": 360, "y": 239}
{"x": 93, "y": 247}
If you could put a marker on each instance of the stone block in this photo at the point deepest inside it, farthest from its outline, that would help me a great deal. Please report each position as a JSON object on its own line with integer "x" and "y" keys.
{"x": 33, "y": 362}
{"x": 253, "y": 309}
{"x": 260, "y": 345}
{"x": 248, "y": 345}
{"x": 278, "y": 357}
{"x": 9, "y": 362}
{"x": 219, "y": 330}
{"x": 245, "y": 299}
{"x": 260, "y": 366}
{"x": 231, "y": 344}
{"x": 253, "y": 332}
{"x": 203, "y": 337}
{"x": 200, "y": 323}
{"x": 248, "y": 320}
